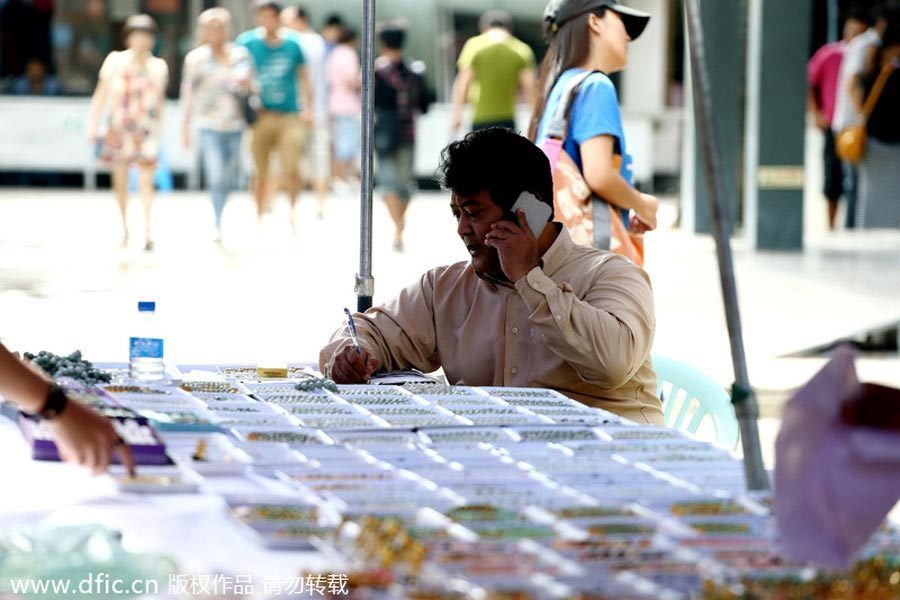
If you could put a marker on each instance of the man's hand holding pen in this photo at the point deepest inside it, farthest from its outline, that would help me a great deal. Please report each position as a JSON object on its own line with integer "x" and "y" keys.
{"x": 353, "y": 365}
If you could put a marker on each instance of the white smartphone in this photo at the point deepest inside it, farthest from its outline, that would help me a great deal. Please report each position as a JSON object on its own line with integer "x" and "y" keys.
{"x": 537, "y": 213}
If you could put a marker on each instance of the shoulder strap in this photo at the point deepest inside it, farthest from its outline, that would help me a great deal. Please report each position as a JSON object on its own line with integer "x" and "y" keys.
{"x": 559, "y": 122}
{"x": 875, "y": 94}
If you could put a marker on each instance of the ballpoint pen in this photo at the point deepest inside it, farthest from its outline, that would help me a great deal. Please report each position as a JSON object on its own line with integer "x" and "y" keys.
{"x": 352, "y": 330}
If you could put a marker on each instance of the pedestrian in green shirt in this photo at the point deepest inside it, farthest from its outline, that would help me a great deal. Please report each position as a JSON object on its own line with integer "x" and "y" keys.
{"x": 493, "y": 67}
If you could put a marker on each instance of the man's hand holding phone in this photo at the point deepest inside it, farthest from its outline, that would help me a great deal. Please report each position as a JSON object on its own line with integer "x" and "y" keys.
{"x": 516, "y": 246}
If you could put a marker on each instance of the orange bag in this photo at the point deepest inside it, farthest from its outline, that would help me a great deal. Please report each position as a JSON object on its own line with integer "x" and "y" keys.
{"x": 850, "y": 144}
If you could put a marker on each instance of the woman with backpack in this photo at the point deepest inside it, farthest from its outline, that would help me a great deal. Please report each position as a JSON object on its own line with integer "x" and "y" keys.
{"x": 588, "y": 42}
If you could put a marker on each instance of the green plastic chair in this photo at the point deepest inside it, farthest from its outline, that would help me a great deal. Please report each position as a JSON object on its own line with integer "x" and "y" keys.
{"x": 687, "y": 392}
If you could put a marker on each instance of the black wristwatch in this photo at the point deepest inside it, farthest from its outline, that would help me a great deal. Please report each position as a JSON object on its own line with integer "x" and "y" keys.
{"x": 54, "y": 405}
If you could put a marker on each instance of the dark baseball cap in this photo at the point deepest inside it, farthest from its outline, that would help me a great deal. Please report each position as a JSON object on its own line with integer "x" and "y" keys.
{"x": 558, "y": 12}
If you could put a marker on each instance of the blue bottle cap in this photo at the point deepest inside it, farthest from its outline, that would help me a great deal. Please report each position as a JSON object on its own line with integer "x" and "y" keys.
{"x": 145, "y": 306}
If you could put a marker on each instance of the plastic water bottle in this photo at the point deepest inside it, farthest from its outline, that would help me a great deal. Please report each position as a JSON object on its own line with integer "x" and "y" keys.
{"x": 145, "y": 350}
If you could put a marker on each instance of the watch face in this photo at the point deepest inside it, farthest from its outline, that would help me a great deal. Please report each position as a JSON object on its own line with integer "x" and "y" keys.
{"x": 56, "y": 402}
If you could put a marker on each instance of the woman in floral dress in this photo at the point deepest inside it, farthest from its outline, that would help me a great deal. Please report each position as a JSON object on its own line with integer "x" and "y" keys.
{"x": 132, "y": 88}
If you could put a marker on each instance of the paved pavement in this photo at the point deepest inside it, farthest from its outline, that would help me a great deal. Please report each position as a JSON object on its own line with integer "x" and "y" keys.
{"x": 269, "y": 294}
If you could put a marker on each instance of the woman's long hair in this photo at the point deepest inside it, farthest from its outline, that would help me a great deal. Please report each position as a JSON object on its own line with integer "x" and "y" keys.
{"x": 570, "y": 46}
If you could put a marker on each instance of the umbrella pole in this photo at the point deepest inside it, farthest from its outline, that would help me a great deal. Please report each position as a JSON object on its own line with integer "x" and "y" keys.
{"x": 742, "y": 395}
{"x": 365, "y": 282}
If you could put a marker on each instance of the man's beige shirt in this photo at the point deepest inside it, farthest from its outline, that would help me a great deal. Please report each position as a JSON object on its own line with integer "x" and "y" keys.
{"x": 583, "y": 325}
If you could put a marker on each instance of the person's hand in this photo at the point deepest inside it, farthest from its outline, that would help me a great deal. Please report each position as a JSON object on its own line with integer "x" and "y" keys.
{"x": 306, "y": 117}
{"x": 351, "y": 366}
{"x": 647, "y": 211}
{"x": 637, "y": 226}
{"x": 821, "y": 121}
{"x": 516, "y": 246}
{"x": 455, "y": 122}
{"x": 91, "y": 134}
{"x": 85, "y": 437}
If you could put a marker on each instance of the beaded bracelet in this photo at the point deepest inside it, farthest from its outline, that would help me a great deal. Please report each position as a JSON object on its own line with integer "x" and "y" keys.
{"x": 303, "y": 532}
{"x": 565, "y": 412}
{"x": 319, "y": 409}
{"x": 346, "y": 476}
{"x": 136, "y": 389}
{"x": 538, "y": 403}
{"x": 627, "y": 450}
{"x": 520, "y": 532}
{"x": 467, "y": 436}
{"x": 379, "y": 439}
{"x": 219, "y": 387}
{"x": 310, "y": 383}
{"x": 514, "y": 393}
{"x": 488, "y": 410}
{"x": 605, "y": 529}
{"x": 720, "y": 527}
{"x": 642, "y": 434}
{"x": 502, "y": 420}
{"x": 274, "y": 512}
{"x": 224, "y": 408}
{"x": 282, "y": 436}
{"x": 260, "y": 389}
{"x": 337, "y": 422}
{"x": 553, "y": 435}
{"x": 292, "y": 398}
{"x": 686, "y": 458}
{"x": 407, "y": 411}
{"x": 463, "y": 402}
{"x": 369, "y": 390}
{"x": 583, "y": 512}
{"x": 714, "y": 507}
{"x": 480, "y": 512}
{"x": 213, "y": 397}
{"x": 435, "y": 389}
{"x": 382, "y": 400}
{"x": 422, "y": 421}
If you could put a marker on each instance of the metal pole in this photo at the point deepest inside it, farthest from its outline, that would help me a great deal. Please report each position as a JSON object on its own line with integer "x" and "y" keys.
{"x": 742, "y": 395}
{"x": 365, "y": 283}
{"x": 832, "y": 16}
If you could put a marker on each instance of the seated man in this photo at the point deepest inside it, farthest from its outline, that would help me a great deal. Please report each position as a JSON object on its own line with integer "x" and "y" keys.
{"x": 526, "y": 311}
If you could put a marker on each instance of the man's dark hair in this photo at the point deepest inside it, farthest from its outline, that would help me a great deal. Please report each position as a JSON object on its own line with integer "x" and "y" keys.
{"x": 891, "y": 36}
{"x": 496, "y": 18}
{"x": 334, "y": 20}
{"x": 262, "y": 5}
{"x": 890, "y": 12}
{"x": 392, "y": 34}
{"x": 861, "y": 14}
{"x": 497, "y": 160}
{"x": 301, "y": 13}
{"x": 347, "y": 36}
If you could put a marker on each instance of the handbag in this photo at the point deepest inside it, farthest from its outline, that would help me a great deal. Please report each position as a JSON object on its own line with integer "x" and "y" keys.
{"x": 591, "y": 220}
{"x": 850, "y": 144}
{"x": 249, "y": 105}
